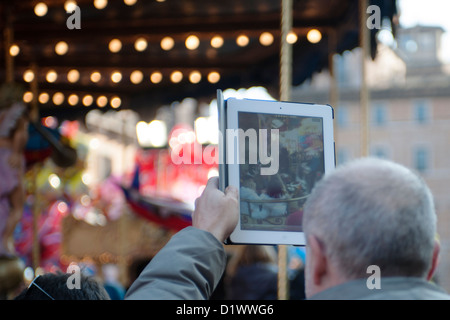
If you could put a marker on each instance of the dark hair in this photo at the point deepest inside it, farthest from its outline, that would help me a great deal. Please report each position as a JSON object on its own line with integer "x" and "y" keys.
{"x": 55, "y": 285}
{"x": 249, "y": 255}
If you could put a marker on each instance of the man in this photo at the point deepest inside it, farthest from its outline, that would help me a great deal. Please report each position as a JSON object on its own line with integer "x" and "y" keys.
{"x": 193, "y": 261}
{"x": 54, "y": 286}
{"x": 371, "y": 213}
{"x": 367, "y": 213}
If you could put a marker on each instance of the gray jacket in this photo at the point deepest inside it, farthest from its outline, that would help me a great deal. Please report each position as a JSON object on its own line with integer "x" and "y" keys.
{"x": 392, "y": 288}
{"x": 188, "y": 267}
{"x": 193, "y": 261}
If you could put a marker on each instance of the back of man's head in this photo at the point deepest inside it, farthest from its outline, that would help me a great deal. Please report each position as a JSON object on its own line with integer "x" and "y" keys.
{"x": 373, "y": 212}
{"x": 54, "y": 286}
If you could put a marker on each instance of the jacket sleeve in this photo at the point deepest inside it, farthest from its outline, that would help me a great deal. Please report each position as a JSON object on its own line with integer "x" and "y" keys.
{"x": 188, "y": 267}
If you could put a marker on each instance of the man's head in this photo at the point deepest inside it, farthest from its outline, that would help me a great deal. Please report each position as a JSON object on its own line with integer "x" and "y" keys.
{"x": 369, "y": 212}
{"x": 54, "y": 286}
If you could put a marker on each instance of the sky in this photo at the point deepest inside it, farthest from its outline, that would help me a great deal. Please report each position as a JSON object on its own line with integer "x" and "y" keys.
{"x": 428, "y": 13}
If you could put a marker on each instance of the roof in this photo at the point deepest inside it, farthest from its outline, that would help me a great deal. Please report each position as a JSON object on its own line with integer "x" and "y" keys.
{"x": 251, "y": 65}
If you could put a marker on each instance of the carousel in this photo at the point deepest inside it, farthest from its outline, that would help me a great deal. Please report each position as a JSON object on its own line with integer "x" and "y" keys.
{"x": 98, "y": 93}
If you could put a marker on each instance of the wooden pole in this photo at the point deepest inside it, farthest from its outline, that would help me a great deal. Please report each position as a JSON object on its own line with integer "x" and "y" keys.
{"x": 364, "y": 91}
{"x": 34, "y": 115}
{"x": 9, "y": 60}
{"x": 123, "y": 228}
{"x": 35, "y": 249}
{"x": 8, "y": 35}
{"x": 285, "y": 51}
{"x": 334, "y": 91}
{"x": 34, "y": 110}
{"x": 285, "y": 95}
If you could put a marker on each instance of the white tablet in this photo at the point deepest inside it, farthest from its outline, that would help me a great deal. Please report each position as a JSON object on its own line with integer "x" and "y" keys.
{"x": 274, "y": 153}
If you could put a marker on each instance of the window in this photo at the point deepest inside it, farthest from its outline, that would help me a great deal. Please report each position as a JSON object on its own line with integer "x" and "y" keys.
{"x": 342, "y": 156}
{"x": 425, "y": 41}
{"x": 421, "y": 159}
{"x": 380, "y": 152}
{"x": 421, "y": 111}
{"x": 342, "y": 116}
{"x": 379, "y": 114}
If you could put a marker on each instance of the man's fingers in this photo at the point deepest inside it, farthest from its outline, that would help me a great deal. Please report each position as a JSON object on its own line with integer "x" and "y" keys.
{"x": 196, "y": 202}
{"x": 232, "y": 191}
{"x": 213, "y": 183}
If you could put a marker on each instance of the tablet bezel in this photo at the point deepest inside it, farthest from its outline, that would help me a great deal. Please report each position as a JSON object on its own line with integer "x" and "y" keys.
{"x": 223, "y": 176}
{"x": 233, "y": 106}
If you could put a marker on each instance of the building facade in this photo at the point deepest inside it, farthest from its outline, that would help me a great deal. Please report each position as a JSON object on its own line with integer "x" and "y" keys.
{"x": 409, "y": 114}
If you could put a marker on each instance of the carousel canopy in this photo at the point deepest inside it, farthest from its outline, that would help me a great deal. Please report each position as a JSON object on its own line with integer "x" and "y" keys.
{"x": 141, "y": 54}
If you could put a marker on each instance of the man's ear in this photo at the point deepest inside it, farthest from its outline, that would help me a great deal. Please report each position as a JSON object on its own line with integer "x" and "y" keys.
{"x": 318, "y": 259}
{"x": 435, "y": 259}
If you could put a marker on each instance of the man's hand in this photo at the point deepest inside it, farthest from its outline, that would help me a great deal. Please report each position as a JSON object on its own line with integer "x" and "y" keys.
{"x": 215, "y": 211}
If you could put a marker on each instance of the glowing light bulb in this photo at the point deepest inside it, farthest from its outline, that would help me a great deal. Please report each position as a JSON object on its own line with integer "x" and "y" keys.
{"x": 192, "y": 42}
{"x": 115, "y": 45}
{"x": 27, "y": 97}
{"x": 167, "y": 43}
{"x": 213, "y": 77}
{"x": 195, "y": 77}
{"x": 156, "y": 77}
{"x": 70, "y": 5}
{"x": 87, "y": 100}
{"x": 291, "y": 37}
{"x": 96, "y": 76}
{"x": 73, "y": 76}
{"x": 140, "y": 44}
{"x": 176, "y": 76}
{"x": 73, "y": 99}
{"x": 266, "y": 39}
{"x": 102, "y": 101}
{"x": 116, "y": 76}
{"x": 28, "y": 76}
{"x": 40, "y": 9}
{"x": 43, "y": 97}
{"x": 61, "y": 48}
{"x": 51, "y": 76}
{"x": 217, "y": 42}
{"x": 14, "y": 50}
{"x": 136, "y": 76}
{"x": 100, "y": 4}
{"x": 242, "y": 40}
{"x": 314, "y": 36}
{"x": 115, "y": 102}
{"x": 58, "y": 98}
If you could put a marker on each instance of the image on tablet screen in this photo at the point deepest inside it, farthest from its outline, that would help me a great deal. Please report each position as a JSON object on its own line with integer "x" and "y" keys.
{"x": 274, "y": 202}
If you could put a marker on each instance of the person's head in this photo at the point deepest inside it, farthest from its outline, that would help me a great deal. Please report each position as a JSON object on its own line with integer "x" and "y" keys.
{"x": 369, "y": 212}
{"x": 53, "y": 286}
{"x": 251, "y": 254}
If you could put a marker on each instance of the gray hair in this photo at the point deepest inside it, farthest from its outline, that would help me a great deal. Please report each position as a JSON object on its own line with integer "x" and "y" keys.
{"x": 373, "y": 212}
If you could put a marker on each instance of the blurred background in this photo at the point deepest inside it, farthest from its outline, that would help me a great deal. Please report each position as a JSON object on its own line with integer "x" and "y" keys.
{"x": 114, "y": 86}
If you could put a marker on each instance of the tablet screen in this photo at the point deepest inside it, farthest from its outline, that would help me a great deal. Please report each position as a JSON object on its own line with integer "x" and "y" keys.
{"x": 282, "y": 156}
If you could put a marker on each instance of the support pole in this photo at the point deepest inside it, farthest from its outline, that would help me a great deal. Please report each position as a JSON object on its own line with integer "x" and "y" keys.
{"x": 364, "y": 91}
{"x": 285, "y": 51}
{"x": 9, "y": 60}
{"x": 35, "y": 209}
{"x": 334, "y": 91}
{"x": 34, "y": 115}
{"x": 285, "y": 95}
{"x": 8, "y": 36}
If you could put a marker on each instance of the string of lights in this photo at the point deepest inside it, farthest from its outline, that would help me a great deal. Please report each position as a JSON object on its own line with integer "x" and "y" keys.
{"x": 137, "y": 76}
